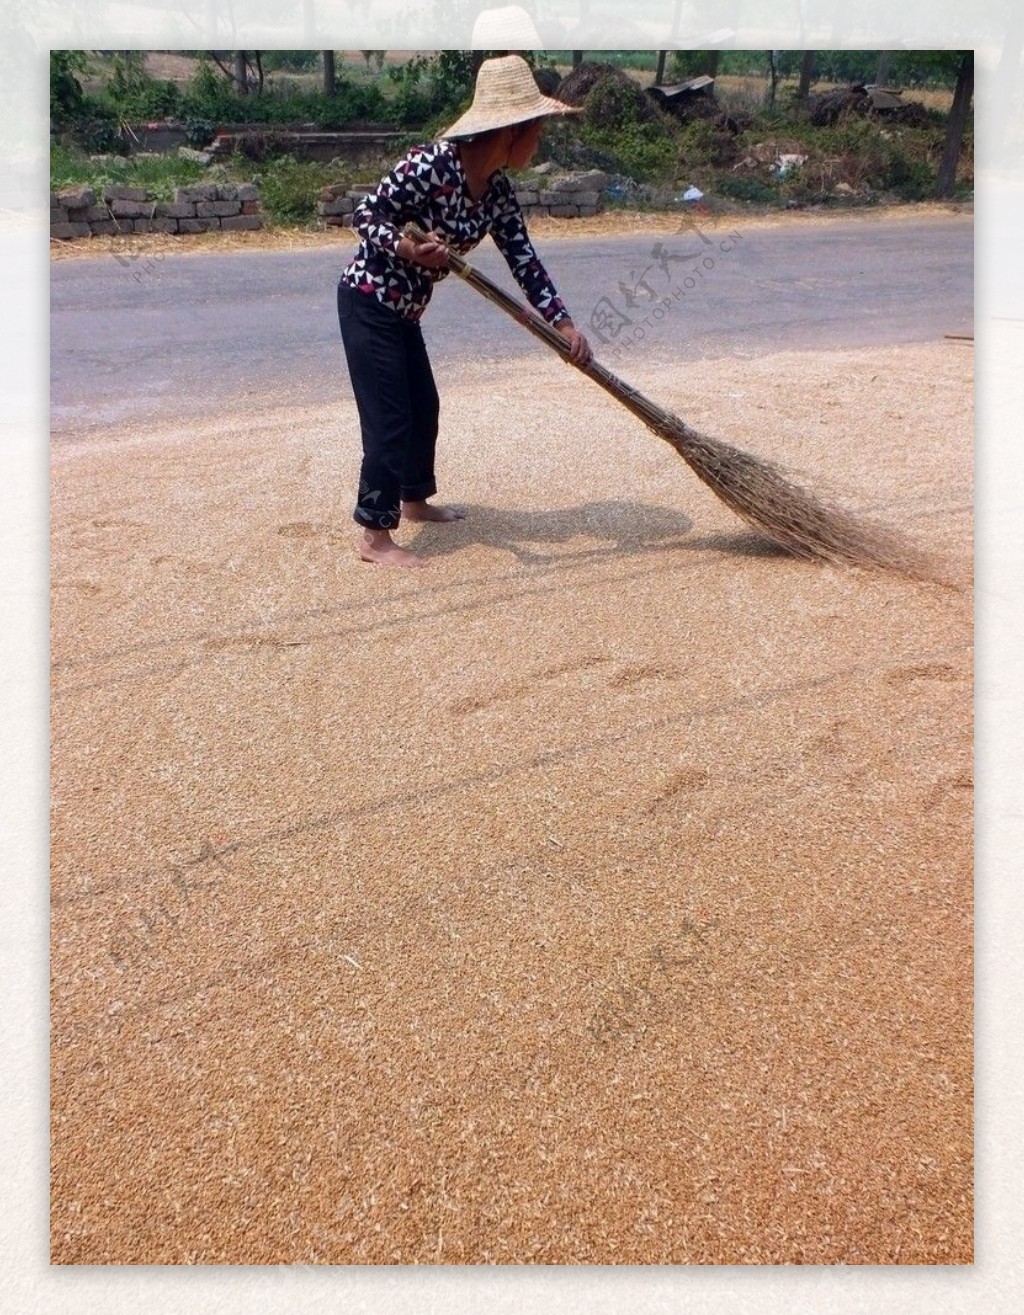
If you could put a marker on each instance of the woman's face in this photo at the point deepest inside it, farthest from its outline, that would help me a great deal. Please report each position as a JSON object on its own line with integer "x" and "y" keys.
{"x": 525, "y": 139}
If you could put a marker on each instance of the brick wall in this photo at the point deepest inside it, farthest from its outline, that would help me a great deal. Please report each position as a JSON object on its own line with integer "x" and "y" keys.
{"x": 565, "y": 196}
{"x": 79, "y": 212}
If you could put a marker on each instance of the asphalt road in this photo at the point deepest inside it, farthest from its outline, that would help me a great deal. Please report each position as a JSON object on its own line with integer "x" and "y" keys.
{"x": 137, "y": 341}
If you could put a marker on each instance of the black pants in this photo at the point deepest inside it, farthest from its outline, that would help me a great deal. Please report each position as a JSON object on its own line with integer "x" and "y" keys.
{"x": 398, "y": 406}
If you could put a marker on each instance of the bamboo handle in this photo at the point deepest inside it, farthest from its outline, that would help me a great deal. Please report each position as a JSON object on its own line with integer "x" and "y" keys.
{"x": 524, "y": 314}
{"x": 655, "y": 417}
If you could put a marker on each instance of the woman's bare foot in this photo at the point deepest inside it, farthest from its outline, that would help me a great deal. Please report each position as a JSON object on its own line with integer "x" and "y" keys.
{"x": 423, "y": 511}
{"x": 377, "y": 546}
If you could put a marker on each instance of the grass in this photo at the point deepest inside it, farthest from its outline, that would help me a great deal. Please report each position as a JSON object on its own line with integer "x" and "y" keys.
{"x": 160, "y": 174}
{"x": 289, "y": 188}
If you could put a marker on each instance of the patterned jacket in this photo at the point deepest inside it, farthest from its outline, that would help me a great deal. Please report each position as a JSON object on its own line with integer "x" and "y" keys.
{"x": 429, "y": 186}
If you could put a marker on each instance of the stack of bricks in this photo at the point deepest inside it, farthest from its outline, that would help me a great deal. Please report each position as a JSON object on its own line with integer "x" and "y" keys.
{"x": 77, "y": 212}
{"x": 337, "y": 203}
{"x": 565, "y": 196}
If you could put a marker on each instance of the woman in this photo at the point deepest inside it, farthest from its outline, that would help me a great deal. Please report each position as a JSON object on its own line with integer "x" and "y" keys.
{"x": 456, "y": 190}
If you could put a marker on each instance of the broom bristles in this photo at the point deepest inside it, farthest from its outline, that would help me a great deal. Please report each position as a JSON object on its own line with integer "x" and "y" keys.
{"x": 770, "y": 501}
{"x": 763, "y": 495}
{"x": 758, "y": 491}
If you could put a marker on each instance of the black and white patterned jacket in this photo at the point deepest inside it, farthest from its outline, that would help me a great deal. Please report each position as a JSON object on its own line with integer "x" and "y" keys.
{"x": 429, "y": 186}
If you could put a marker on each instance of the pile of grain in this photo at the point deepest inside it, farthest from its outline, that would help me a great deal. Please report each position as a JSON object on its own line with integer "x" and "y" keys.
{"x": 601, "y": 894}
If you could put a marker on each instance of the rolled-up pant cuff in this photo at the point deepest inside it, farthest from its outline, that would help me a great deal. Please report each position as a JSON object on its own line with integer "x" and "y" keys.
{"x": 418, "y": 492}
{"x": 372, "y": 519}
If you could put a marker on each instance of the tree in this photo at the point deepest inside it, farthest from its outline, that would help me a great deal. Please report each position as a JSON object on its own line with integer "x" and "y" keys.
{"x": 577, "y": 58}
{"x": 238, "y": 74}
{"x": 330, "y": 82}
{"x": 659, "y": 72}
{"x": 955, "y": 126}
{"x": 806, "y": 73}
{"x": 65, "y": 89}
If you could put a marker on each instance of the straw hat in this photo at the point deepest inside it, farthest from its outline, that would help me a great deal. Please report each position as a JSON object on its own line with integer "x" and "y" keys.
{"x": 505, "y": 94}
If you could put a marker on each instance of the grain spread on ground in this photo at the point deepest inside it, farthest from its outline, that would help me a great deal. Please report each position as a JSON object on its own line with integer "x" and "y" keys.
{"x": 601, "y": 895}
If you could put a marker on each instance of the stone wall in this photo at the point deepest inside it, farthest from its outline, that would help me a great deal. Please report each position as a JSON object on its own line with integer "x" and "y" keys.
{"x": 202, "y": 207}
{"x": 79, "y": 212}
{"x": 565, "y": 196}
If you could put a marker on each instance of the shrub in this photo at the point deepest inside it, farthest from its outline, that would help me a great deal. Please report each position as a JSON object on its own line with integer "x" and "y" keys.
{"x": 352, "y": 103}
{"x": 198, "y": 131}
{"x": 641, "y": 150}
{"x": 619, "y": 122}
{"x": 211, "y": 97}
{"x": 616, "y": 101}
{"x": 289, "y": 188}
{"x": 429, "y": 87}
{"x": 688, "y": 64}
{"x": 65, "y": 89}
{"x": 706, "y": 142}
{"x": 209, "y": 94}
{"x": 747, "y": 189}
{"x": 912, "y": 180}
{"x": 99, "y": 130}
{"x": 132, "y": 94}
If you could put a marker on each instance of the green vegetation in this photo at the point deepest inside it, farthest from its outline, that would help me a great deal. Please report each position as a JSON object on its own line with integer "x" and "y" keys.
{"x": 407, "y": 95}
{"x": 289, "y": 187}
{"x": 907, "y": 68}
{"x": 66, "y": 97}
{"x": 160, "y": 173}
{"x": 728, "y": 147}
{"x": 641, "y": 144}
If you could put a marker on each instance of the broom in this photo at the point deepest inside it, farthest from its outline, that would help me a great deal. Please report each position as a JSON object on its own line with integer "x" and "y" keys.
{"x": 757, "y": 490}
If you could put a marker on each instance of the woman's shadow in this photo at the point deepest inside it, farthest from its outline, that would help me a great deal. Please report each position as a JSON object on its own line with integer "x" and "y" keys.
{"x": 622, "y": 528}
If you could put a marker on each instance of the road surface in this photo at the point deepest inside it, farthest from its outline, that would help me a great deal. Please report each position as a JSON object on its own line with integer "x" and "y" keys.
{"x": 147, "y": 340}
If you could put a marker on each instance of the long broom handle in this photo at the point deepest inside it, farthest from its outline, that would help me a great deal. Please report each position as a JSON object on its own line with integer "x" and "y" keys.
{"x": 652, "y": 415}
{"x": 756, "y": 490}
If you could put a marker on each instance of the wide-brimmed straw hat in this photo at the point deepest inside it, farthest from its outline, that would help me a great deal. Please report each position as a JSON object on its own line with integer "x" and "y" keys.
{"x": 505, "y": 94}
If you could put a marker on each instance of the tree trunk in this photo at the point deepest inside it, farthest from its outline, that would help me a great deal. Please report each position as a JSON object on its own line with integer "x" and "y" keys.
{"x": 773, "y": 78}
{"x": 241, "y": 81}
{"x": 955, "y": 127}
{"x": 711, "y": 63}
{"x": 258, "y": 61}
{"x": 884, "y": 65}
{"x": 577, "y": 58}
{"x": 659, "y": 72}
{"x": 806, "y": 73}
{"x": 330, "y": 85}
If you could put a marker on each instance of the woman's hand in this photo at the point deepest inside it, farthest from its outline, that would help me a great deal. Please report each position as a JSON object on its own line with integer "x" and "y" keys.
{"x": 432, "y": 254}
{"x": 579, "y": 348}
